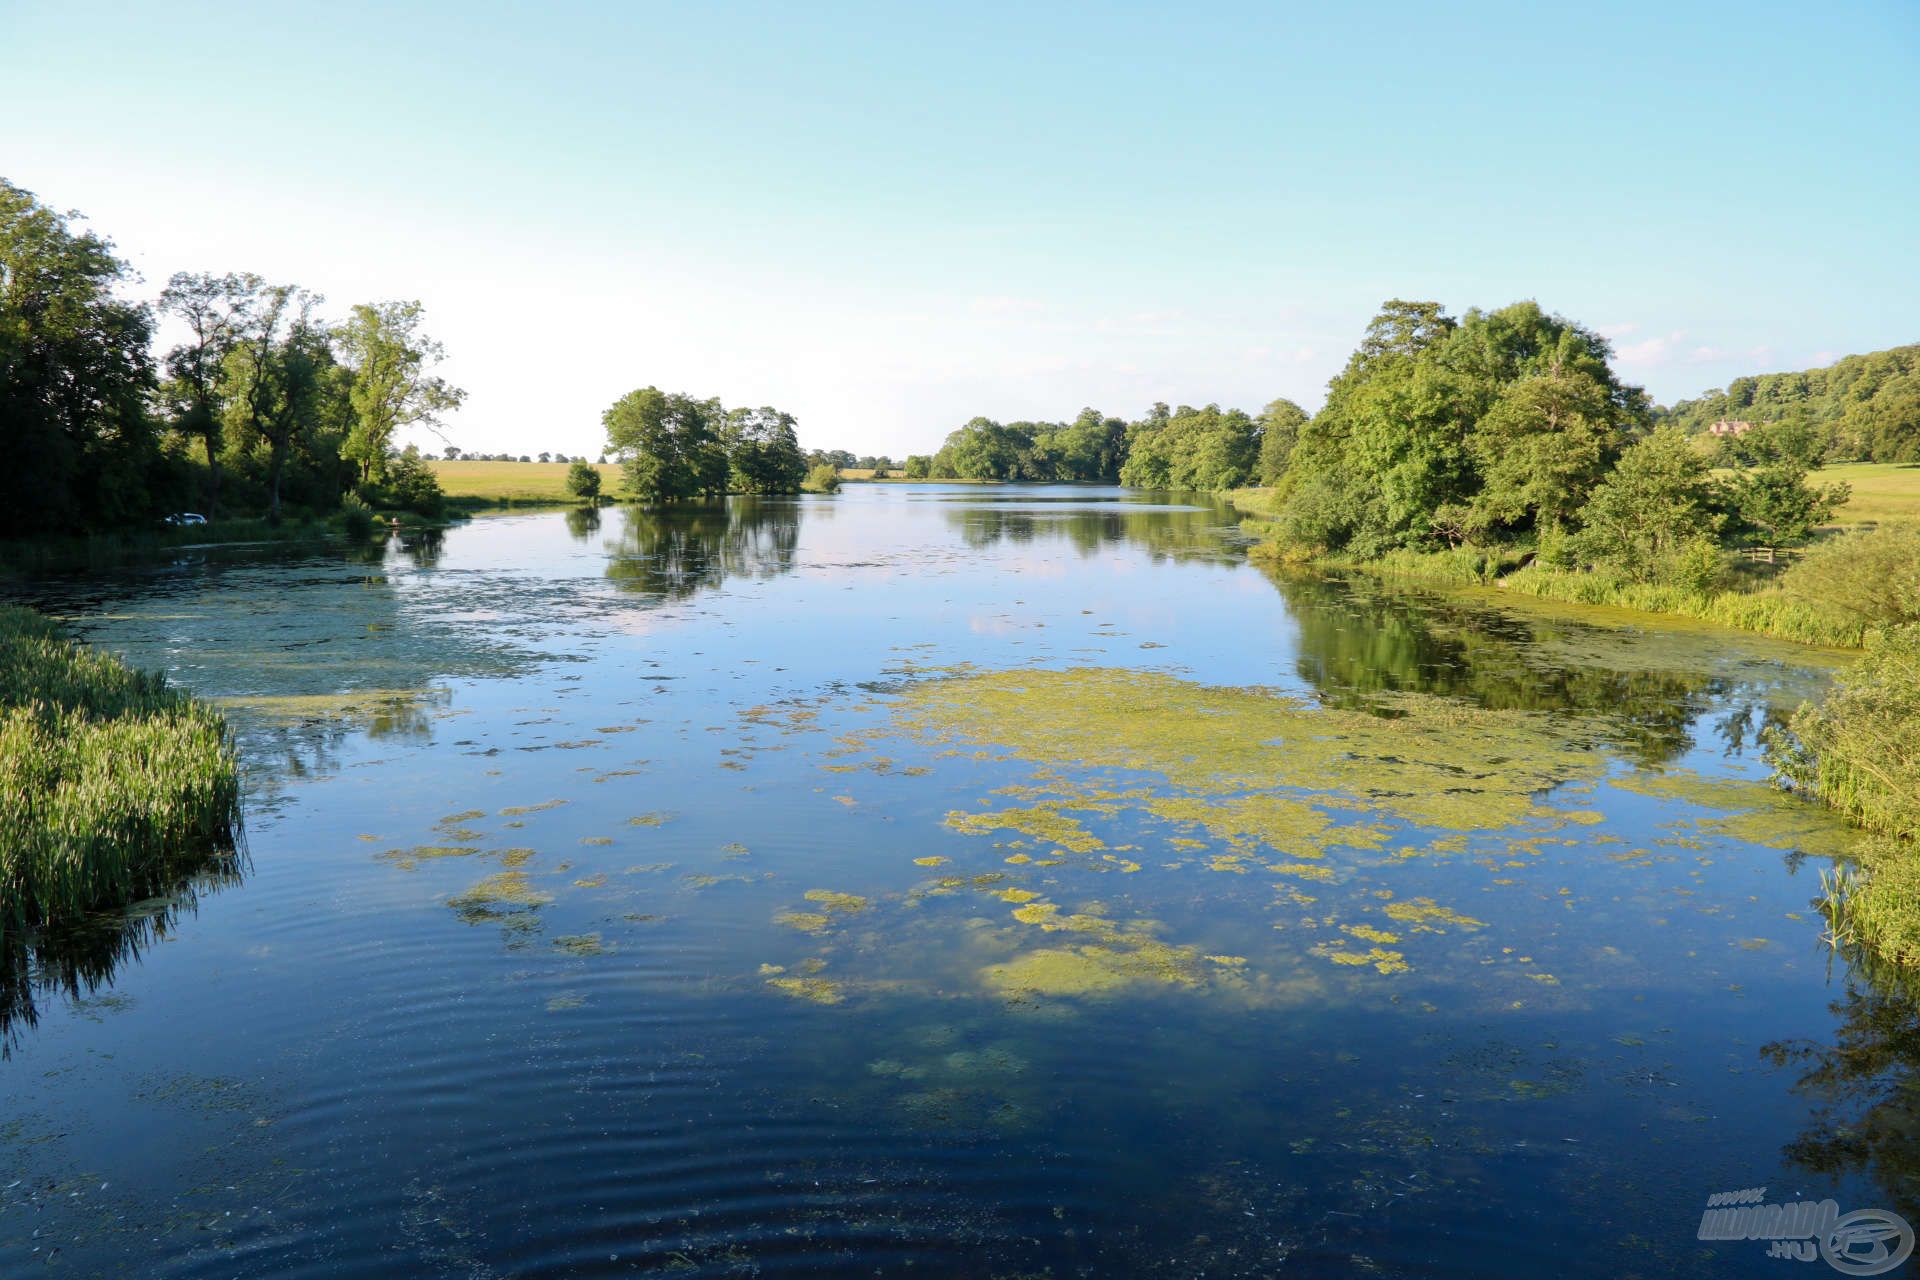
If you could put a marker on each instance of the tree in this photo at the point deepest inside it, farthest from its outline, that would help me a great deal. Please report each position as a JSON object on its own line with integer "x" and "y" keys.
{"x": 1204, "y": 449}
{"x": 451, "y": 453}
{"x": 282, "y": 384}
{"x": 763, "y": 451}
{"x": 1541, "y": 449}
{"x": 670, "y": 445}
{"x": 1655, "y": 501}
{"x": 583, "y": 481}
{"x": 217, "y": 310}
{"x": 390, "y": 358}
{"x": 919, "y": 466}
{"x": 75, "y": 375}
{"x": 1279, "y": 428}
{"x": 546, "y": 456}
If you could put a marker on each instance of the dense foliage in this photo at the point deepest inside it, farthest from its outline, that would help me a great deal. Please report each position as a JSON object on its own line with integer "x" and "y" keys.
{"x": 1864, "y": 406}
{"x": 1444, "y": 430}
{"x": 675, "y": 447}
{"x": 262, "y": 405}
{"x": 111, "y": 783}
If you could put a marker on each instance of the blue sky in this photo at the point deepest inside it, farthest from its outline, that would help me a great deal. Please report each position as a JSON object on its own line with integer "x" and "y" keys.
{"x": 889, "y": 218}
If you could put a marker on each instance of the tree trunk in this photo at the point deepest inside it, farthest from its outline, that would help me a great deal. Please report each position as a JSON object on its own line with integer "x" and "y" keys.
{"x": 279, "y": 467}
{"x": 213, "y": 478}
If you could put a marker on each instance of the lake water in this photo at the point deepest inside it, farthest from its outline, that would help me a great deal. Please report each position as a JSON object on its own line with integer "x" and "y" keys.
{"x": 946, "y": 881}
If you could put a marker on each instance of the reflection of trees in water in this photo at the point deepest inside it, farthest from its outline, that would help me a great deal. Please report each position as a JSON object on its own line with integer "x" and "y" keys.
{"x": 1360, "y": 638}
{"x": 1165, "y": 534}
{"x": 1864, "y": 1086}
{"x": 678, "y": 551}
{"x": 76, "y": 961}
{"x": 583, "y": 523}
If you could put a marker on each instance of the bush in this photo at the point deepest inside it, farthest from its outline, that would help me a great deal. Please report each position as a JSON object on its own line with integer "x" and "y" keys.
{"x": 1873, "y": 577}
{"x": 413, "y": 485}
{"x": 824, "y": 478}
{"x": 583, "y": 481}
{"x": 112, "y": 784}
{"x": 356, "y": 517}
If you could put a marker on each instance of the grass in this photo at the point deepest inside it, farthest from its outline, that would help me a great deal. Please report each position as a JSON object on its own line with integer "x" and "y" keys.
{"x": 1882, "y": 491}
{"x": 515, "y": 482}
{"x": 112, "y": 784}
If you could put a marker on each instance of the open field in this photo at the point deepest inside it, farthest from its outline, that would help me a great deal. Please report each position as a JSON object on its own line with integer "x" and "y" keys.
{"x": 1881, "y": 490}
{"x": 516, "y": 481}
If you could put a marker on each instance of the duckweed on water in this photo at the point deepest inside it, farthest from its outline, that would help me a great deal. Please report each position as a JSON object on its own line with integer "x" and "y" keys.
{"x": 1425, "y": 760}
{"x": 833, "y": 901}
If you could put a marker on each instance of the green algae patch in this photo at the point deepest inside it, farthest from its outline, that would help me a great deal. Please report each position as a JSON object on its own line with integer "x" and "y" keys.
{"x": 1042, "y": 822}
{"x": 580, "y": 944}
{"x": 1091, "y": 970}
{"x": 409, "y": 859}
{"x": 1426, "y": 916}
{"x": 1751, "y": 811}
{"x": 811, "y": 988}
{"x": 1251, "y": 764}
{"x": 938, "y": 861}
{"x": 521, "y": 810}
{"x": 498, "y": 894}
{"x": 805, "y": 921}
{"x": 833, "y": 901}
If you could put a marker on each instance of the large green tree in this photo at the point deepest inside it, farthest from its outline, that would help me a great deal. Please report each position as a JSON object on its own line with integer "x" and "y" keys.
{"x": 1655, "y": 502}
{"x": 217, "y": 311}
{"x": 763, "y": 451}
{"x": 393, "y": 386}
{"x": 75, "y": 377}
{"x": 1499, "y": 419}
{"x": 670, "y": 444}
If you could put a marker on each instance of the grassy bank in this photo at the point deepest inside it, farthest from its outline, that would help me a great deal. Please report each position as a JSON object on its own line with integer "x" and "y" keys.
{"x": 1858, "y": 751}
{"x": 514, "y": 483}
{"x": 112, "y": 784}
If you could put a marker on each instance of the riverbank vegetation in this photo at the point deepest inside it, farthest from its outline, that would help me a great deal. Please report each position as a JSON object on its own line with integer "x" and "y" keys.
{"x": 1857, "y": 751}
{"x": 264, "y": 408}
{"x": 1501, "y": 447}
{"x": 112, "y": 783}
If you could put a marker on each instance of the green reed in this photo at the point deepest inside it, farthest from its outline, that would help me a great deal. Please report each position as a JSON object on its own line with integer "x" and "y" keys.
{"x": 112, "y": 783}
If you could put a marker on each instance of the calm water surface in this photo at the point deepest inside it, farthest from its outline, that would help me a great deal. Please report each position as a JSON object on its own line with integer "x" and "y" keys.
{"x": 520, "y": 975}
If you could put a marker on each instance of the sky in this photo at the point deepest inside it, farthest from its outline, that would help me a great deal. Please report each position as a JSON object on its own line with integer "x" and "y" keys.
{"x": 887, "y": 219}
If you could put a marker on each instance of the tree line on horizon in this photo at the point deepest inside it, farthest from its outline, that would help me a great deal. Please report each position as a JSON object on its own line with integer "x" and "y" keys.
{"x": 1861, "y": 407}
{"x": 264, "y": 405}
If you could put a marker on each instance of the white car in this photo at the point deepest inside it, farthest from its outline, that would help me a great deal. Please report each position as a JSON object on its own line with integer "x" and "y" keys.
{"x": 184, "y": 518}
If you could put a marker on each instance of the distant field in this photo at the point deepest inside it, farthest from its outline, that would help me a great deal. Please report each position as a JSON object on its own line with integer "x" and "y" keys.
{"x": 1881, "y": 491}
{"x": 522, "y": 481}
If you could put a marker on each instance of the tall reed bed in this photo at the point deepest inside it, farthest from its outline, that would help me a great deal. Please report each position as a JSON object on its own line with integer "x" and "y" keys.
{"x": 112, "y": 784}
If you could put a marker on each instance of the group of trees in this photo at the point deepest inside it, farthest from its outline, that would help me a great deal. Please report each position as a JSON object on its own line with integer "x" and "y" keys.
{"x": 1510, "y": 427}
{"x": 674, "y": 446}
{"x": 454, "y": 453}
{"x": 1864, "y": 407}
{"x": 262, "y": 404}
{"x": 1185, "y": 448}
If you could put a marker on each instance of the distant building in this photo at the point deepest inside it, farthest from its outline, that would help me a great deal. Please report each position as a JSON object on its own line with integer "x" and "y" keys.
{"x": 1730, "y": 427}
